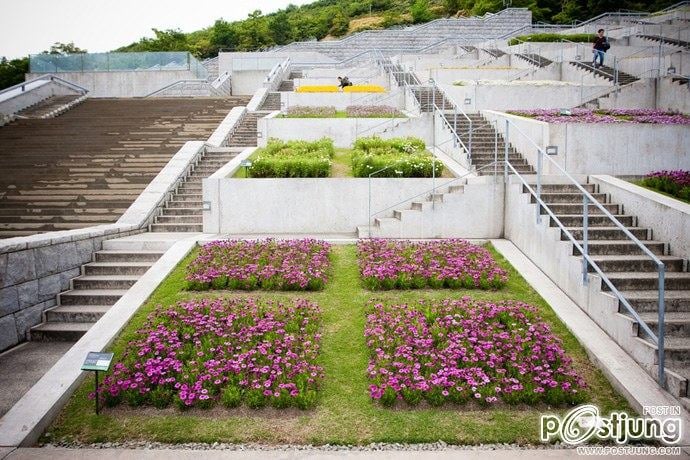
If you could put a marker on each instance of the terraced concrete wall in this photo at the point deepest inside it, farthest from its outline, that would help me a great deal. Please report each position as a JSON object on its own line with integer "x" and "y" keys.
{"x": 35, "y": 269}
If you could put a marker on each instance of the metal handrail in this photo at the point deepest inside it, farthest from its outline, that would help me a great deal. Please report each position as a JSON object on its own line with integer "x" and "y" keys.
{"x": 456, "y": 109}
{"x": 47, "y": 77}
{"x": 587, "y": 260}
{"x": 175, "y": 83}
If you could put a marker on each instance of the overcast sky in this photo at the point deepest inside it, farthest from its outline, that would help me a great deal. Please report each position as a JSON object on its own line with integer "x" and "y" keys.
{"x": 31, "y": 26}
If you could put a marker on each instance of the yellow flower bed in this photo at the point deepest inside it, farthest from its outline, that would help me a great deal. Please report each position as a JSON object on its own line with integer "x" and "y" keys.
{"x": 317, "y": 89}
{"x": 364, "y": 89}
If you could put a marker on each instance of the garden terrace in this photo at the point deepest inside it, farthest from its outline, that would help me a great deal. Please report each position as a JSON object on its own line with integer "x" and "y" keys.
{"x": 87, "y": 166}
{"x": 650, "y": 116}
{"x": 672, "y": 183}
{"x": 343, "y": 412}
{"x": 351, "y": 111}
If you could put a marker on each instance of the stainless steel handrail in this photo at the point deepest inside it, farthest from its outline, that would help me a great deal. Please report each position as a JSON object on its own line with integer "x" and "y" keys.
{"x": 588, "y": 199}
{"x": 47, "y": 77}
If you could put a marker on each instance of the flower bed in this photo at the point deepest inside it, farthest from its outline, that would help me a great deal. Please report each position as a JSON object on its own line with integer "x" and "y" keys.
{"x": 260, "y": 264}
{"x": 352, "y": 111}
{"x": 675, "y": 183}
{"x": 398, "y": 157}
{"x": 386, "y": 264}
{"x": 650, "y": 116}
{"x": 467, "y": 350}
{"x": 293, "y": 159}
{"x": 232, "y": 351}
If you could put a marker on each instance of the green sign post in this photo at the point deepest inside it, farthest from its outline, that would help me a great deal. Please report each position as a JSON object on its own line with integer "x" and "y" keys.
{"x": 96, "y": 362}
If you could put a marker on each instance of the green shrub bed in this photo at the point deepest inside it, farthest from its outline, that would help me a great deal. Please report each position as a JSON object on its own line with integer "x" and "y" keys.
{"x": 549, "y": 38}
{"x": 398, "y": 157}
{"x": 293, "y": 159}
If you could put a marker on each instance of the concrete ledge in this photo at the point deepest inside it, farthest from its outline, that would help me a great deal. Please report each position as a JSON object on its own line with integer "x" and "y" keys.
{"x": 257, "y": 99}
{"x": 220, "y": 136}
{"x": 633, "y": 382}
{"x": 667, "y": 217}
{"x": 25, "y": 422}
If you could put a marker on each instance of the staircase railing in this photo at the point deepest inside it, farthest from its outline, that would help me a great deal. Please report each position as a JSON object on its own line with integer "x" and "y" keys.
{"x": 457, "y": 110}
{"x": 276, "y": 75}
{"x": 28, "y": 85}
{"x": 587, "y": 260}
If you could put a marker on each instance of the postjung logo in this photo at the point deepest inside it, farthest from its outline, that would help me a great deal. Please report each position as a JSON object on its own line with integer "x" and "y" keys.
{"x": 584, "y": 423}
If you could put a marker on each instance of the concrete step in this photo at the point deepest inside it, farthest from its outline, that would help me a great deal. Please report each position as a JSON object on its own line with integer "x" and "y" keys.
{"x": 676, "y": 324}
{"x": 91, "y": 296}
{"x": 116, "y": 268}
{"x": 556, "y": 197}
{"x": 645, "y": 281}
{"x": 638, "y": 263}
{"x": 128, "y": 256}
{"x": 183, "y": 219}
{"x": 174, "y": 203}
{"x": 76, "y": 313}
{"x": 562, "y": 188}
{"x": 677, "y": 351}
{"x": 188, "y": 197}
{"x": 104, "y": 282}
{"x": 646, "y": 301}
{"x": 622, "y": 247}
{"x": 598, "y": 220}
{"x": 607, "y": 233}
{"x": 59, "y": 332}
{"x": 576, "y": 208}
{"x": 194, "y": 228}
{"x": 180, "y": 211}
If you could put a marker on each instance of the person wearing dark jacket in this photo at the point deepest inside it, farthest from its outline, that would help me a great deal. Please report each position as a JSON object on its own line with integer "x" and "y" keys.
{"x": 601, "y": 45}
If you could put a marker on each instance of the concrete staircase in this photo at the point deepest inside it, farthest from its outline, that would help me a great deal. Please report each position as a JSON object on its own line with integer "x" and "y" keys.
{"x": 101, "y": 284}
{"x": 183, "y": 213}
{"x": 534, "y": 59}
{"x": 428, "y": 96}
{"x": 245, "y": 135}
{"x": 495, "y": 52}
{"x": 485, "y": 141}
{"x": 87, "y": 166}
{"x": 289, "y": 84}
{"x": 52, "y": 106}
{"x": 271, "y": 103}
{"x": 606, "y": 72}
{"x": 666, "y": 41}
{"x": 635, "y": 276}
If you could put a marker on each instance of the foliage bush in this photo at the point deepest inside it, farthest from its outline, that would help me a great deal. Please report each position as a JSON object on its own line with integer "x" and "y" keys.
{"x": 293, "y": 159}
{"x": 397, "y": 157}
{"x": 675, "y": 183}
{"x": 549, "y": 38}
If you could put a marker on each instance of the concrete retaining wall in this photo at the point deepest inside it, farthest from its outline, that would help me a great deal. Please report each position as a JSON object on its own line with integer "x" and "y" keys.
{"x": 134, "y": 83}
{"x": 34, "y": 96}
{"x": 667, "y": 217}
{"x": 587, "y": 148}
{"x": 341, "y": 100}
{"x": 246, "y": 82}
{"x": 343, "y": 131}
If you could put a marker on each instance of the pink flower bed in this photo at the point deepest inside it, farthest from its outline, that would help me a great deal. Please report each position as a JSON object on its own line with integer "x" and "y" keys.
{"x": 652, "y": 116}
{"x": 452, "y": 263}
{"x": 467, "y": 350}
{"x": 229, "y": 350}
{"x": 260, "y": 264}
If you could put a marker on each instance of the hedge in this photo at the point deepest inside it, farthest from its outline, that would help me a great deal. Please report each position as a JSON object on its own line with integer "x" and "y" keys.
{"x": 398, "y": 157}
{"x": 293, "y": 159}
{"x": 549, "y": 38}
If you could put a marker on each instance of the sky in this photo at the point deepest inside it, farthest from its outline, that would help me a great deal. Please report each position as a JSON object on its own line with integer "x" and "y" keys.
{"x": 32, "y": 26}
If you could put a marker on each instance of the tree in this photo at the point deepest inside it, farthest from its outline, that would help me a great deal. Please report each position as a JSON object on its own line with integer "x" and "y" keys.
{"x": 223, "y": 35}
{"x": 280, "y": 27}
{"x": 451, "y": 6}
{"x": 65, "y": 48}
{"x": 12, "y": 72}
{"x": 340, "y": 25}
{"x": 420, "y": 11}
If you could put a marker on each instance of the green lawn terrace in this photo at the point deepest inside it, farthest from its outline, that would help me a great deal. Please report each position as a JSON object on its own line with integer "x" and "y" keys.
{"x": 340, "y": 408}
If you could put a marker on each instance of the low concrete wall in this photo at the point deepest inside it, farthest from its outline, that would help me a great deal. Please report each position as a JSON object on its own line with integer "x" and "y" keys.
{"x": 588, "y": 148}
{"x": 34, "y": 96}
{"x": 219, "y": 137}
{"x": 246, "y": 82}
{"x": 34, "y": 269}
{"x": 667, "y": 217}
{"x": 341, "y": 100}
{"x": 343, "y": 131}
{"x": 300, "y": 206}
{"x": 133, "y": 83}
{"x": 673, "y": 96}
{"x": 518, "y": 96}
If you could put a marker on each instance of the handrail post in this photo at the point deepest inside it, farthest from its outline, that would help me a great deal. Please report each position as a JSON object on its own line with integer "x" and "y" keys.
{"x": 539, "y": 171}
{"x": 369, "y": 208}
{"x": 505, "y": 163}
{"x": 585, "y": 239}
{"x": 662, "y": 326}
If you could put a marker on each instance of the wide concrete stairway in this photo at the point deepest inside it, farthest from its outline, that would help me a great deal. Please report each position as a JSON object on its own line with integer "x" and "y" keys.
{"x": 87, "y": 166}
{"x": 245, "y": 135}
{"x": 52, "y": 106}
{"x": 102, "y": 283}
{"x": 634, "y": 274}
{"x": 488, "y": 145}
{"x": 183, "y": 212}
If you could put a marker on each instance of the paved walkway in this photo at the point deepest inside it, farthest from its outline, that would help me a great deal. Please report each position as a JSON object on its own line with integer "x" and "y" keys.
{"x": 22, "y": 366}
{"x": 165, "y": 454}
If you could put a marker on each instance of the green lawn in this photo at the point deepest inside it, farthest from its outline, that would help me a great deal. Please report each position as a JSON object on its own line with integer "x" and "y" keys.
{"x": 344, "y": 413}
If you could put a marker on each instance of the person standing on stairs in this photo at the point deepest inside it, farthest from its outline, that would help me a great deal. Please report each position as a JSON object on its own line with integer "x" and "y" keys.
{"x": 600, "y": 47}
